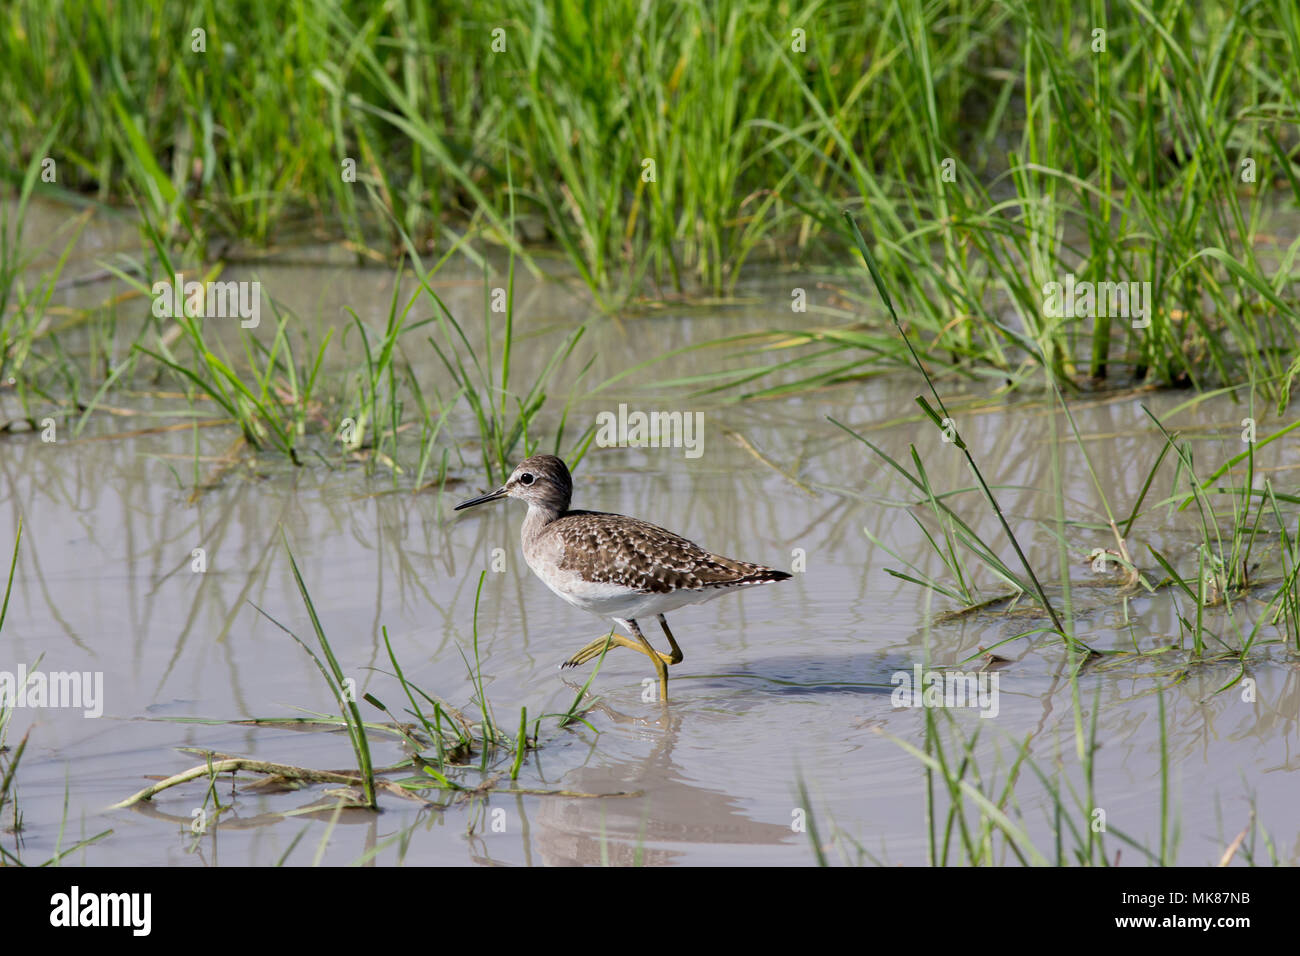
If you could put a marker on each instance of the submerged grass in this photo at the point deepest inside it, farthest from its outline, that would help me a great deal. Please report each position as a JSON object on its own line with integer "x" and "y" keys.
{"x": 946, "y": 425}
{"x": 973, "y": 805}
{"x": 1225, "y": 557}
{"x": 973, "y": 815}
{"x": 485, "y": 383}
{"x": 11, "y": 758}
{"x": 358, "y": 396}
{"x": 974, "y": 812}
{"x": 441, "y": 741}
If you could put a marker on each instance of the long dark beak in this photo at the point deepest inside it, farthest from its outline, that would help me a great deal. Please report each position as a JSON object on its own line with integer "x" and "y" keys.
{"x": 481, "y": 499}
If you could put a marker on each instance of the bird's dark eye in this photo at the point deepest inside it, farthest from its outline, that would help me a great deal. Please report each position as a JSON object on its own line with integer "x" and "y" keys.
{"x": 525, "y": 479}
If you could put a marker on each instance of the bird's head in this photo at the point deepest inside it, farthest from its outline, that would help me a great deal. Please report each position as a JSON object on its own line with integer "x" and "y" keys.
{"x": 541, "y": 480}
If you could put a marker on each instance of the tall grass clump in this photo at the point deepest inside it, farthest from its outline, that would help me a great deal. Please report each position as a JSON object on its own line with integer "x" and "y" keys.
{"x": 1119, "y": 165}
{"x": 995, "y": 146}
{"x": 992, "y": 148}
{"x": 1237, "y": 516}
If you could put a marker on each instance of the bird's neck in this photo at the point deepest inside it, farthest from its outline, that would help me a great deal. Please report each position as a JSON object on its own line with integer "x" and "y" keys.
{"x": 539, "y": 516}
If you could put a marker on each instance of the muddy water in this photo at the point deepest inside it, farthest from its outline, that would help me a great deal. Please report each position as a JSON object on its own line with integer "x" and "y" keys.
{"x": 781, "y": 685}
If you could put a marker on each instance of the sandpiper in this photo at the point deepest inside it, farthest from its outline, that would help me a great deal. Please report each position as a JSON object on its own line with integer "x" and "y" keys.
{"x": 614, "y": 566}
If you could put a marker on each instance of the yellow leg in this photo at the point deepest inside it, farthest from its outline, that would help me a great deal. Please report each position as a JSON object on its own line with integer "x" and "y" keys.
{"x": 660, "y": 661}
{"x": 594, "y": 649}
{"x": 677, "y": 655}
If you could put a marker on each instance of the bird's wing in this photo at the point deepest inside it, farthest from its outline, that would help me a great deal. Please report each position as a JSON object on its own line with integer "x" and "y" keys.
{"x": 615, "y": 549}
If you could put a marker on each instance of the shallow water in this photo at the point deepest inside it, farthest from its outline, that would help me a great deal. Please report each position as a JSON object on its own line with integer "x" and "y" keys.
{"x": 782, "y": 684}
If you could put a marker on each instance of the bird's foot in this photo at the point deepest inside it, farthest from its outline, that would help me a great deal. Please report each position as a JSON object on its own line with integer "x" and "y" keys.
{"x": 597, "y": 647}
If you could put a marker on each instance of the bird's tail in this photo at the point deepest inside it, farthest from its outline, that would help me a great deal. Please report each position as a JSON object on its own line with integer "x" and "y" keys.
{"x": 744, "y": 574}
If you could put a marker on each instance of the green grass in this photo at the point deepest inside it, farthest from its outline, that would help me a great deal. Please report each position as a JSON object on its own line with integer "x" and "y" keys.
{"x": 974, "y": 813}
{"x": 1228, "y": 556}
{"x": 953, "y": 526}
{"x": 1113, "y": 166}
{"x": 973, "y": 796}
{"x": 340, "y": 395}
{"x": 451, "y": 757}
{"x": 454, "y": 739}
{"x": 1237, "y": 517}
{"x": 988, "y": 145}
{"x": 501, "y": 415}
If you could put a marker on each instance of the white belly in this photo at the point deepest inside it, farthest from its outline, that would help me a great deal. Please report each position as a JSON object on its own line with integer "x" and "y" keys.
{"x": 618, "y": 602}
